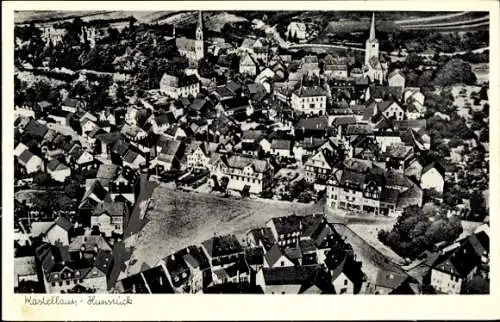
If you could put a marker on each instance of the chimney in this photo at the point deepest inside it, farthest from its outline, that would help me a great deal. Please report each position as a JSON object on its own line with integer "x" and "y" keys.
{"x": 187, "y": 250}
{"x": 172, "y": 257}
{"x": 96, "y": 249}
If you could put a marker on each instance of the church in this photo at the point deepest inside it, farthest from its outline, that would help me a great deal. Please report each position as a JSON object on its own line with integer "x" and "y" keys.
{"x": 375, "y": 67}
{"x": 192, "y": 49}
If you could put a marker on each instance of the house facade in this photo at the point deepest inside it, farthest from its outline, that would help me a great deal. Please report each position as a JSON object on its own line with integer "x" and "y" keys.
{"x": 309, "y": 101}
{"x": 243, "y": 172}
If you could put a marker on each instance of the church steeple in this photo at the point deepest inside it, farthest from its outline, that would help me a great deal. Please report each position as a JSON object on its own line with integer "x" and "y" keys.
{"x": 372, "y": 28}
{"x": 199, "y": 27}
{"x": 199, "y": 41}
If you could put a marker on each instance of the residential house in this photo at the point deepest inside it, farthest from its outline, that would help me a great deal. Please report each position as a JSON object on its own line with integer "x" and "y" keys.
{"x": 198, "y": 155}
{"x": 397, "y": 156}
{"x": 79, "y": 158}
{"x": 107, "y": 116}
{"x": 387, "y": 281}
{"x": 255, "y": 258}
{"x": 36, "y": 130}
{"x": 347, "y": 277}
{"x": 294, "y": 280}
{"x": 281, "y": 148}
{"x": 309, "y": 100}
{"x": 182, "y": 86}
{"x": 169, "y": 154}
{"x": 133, "y": 160}
{"x": 432, "y": 177}
{"x": 454, "y": 268}
{"x": 62, "y": 273}
{"x": 248, "y": 66}
{"x": 261, "y": 237}
{"x": 52, "y": 232}
{"x": 71, "y": 105}
{"x": 187, "y": 269}
{"x": 244, "y": 174}
{"x": 274, "y": 257}
{"x": 396, "y": 79}
{"x": 60, "y": 117}
{"x": 58, "y": 170}
{"x": 297, "y": 30}
{"x": 390, "y": 109}
{"x": 31, "y": 163}
{"x": 222, "y": 251}
{"x": 110, "y": 217}
{"x": 309, "y": 65}
{"x": 319, "y": 166}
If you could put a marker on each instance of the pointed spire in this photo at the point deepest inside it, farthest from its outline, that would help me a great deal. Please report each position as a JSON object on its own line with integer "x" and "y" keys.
{"x": 200, "y": 20}
{"x": 372, "y": 28}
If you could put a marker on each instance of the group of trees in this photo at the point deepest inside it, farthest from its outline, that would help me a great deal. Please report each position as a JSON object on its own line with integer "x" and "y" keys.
{"x": 415, "y": 232}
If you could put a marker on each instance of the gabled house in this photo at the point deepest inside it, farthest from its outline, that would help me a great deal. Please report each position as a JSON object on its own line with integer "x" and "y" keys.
{"x": 243, "y": 173}
{"x": 198, "y": 155}
{"x": 390, "y": 109}
{"x": 432, "y": 177}
{"x": 182, "y": 86}
{"x": 281, "y": 148}
{"x": 319, "y": 166}
{"x": 62, "y": 273}
{"x": 309, "y": 100}
{"x": 274, "y": 257}
{"x": 294, "y": 280}
{"x": 110, "y": 217}
{"x": 133, "y": 160}
{"x": 396, "y": 156}
{"x": 222, "y": 251}
{"x": 169, "y": 154}
{"x": 31, "y": 163}
{"x": 58, "y": 170}
{"x": 52, "y": 232}
{"x": 247, "y": 65}
{"x": 71, "y": 105}
{"x": 261, "y": 237}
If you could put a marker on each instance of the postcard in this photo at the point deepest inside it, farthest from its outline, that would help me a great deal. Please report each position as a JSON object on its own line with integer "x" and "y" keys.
{"x": 249, "y": 160}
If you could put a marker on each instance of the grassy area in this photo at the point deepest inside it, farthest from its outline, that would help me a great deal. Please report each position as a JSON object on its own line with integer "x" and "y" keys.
{"x": 178, "y": 219}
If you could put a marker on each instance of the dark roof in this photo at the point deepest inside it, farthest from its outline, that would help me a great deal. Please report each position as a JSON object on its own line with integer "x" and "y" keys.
{"x": 389, "y": 195}
{"x": 264, "y": 235}
{"x": 70, "y": 102}
{"x": 273, "y": 255}
{"x": 435, "y": 165}
{"x": 234, "y": 288}
{"x": 344, "y": 120}
{"x": 36, "y": 129}
{"x": 56, "y": 165}
{"x": 310, "y": 91}
{"x": 287, "y": 224}
{"x": 314, "y": 123}
{"x": 281, "y": 144}
{"x": 389, "y": 280}
{"x": 254, "y": 256}
{"x": 222, "y": 245}
{"x": 64, "y": 223}
{"x": 288, "y": 275}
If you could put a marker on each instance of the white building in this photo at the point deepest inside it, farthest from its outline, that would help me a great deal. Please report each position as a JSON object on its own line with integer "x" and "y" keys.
{"x": 176, "y": 87}
{"x": 309, "y": 101}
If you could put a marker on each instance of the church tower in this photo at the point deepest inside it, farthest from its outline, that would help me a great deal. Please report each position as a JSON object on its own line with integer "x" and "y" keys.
{"x": 371, "y": 43}
{"x": 199, "y": 42}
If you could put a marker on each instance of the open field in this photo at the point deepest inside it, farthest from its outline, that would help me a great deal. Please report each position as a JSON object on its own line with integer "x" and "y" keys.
{"x": 178, "y": 219}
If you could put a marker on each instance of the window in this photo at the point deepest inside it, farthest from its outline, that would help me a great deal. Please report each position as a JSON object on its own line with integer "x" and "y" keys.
{"x": 345, "y": 282}
{"x": 60, "y": 283}
{"x": 53, "y": 283}
{"x": 68, "y": 282}
{"x": 282, "y": 263}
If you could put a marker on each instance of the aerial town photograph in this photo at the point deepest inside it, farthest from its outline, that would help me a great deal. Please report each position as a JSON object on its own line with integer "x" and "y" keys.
{"x": 251, "y": 152}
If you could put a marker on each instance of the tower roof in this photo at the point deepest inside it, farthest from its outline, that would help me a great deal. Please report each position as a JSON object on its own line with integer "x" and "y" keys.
{"x": 372, "y": 28}
{"x": 200, "y": 20}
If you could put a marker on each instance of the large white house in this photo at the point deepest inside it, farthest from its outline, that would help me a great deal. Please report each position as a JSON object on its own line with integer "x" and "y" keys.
{"x": 309, "y": 100}
{"x": 176, "y": 87}
{"x": 243, "y": 173}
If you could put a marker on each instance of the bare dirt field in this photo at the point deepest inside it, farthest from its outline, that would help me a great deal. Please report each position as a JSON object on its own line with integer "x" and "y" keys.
{"x": 178, "y": 219}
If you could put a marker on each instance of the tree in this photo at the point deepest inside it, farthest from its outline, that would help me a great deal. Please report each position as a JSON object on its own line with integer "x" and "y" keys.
{"x": 453, "y": 72}
{"x": 413, "y": 61}
{"x": 72, "y": 189}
